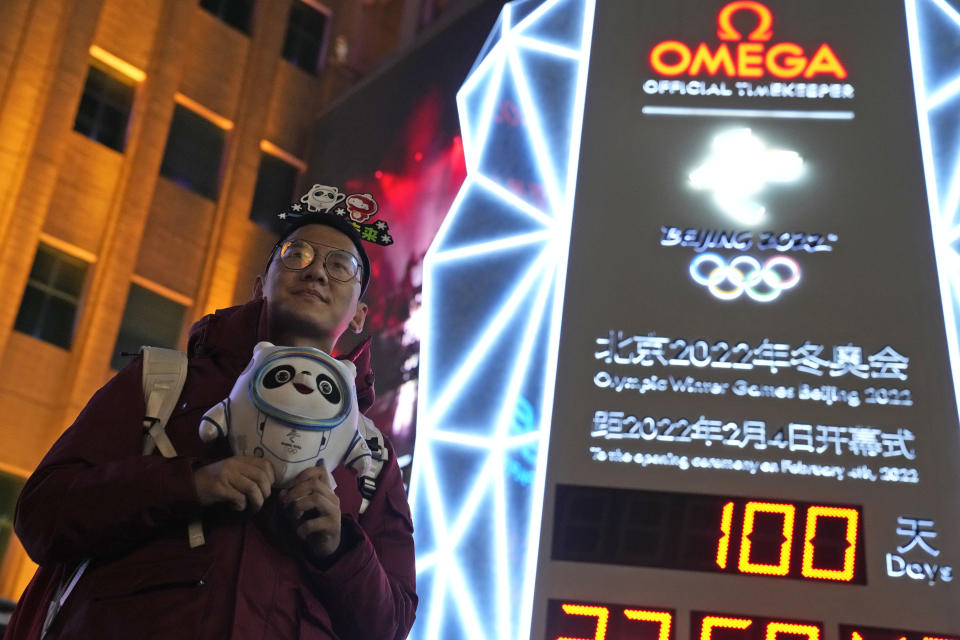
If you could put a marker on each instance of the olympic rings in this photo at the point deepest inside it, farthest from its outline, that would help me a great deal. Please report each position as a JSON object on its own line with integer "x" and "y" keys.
{"x": 744, "y": 274}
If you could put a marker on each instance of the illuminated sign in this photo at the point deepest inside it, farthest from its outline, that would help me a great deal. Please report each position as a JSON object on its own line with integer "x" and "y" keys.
{"x": 744, "y": 274}
{"x": 698, "y": 532}
{"x": 486, "y": 370}
{"x": 664, "y": 397}
{"x": 738, "y": 168}
{"x": 751, "y": 59}
{"x": 607, "y": 621}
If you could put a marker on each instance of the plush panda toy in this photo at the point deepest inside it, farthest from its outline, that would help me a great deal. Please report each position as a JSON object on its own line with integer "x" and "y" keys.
{"x": 296, "y": 407}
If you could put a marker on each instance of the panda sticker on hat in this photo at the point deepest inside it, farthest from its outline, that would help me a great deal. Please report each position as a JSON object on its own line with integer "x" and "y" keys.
{"x": 358, "y": 210}
{"x": 322, "y": 198}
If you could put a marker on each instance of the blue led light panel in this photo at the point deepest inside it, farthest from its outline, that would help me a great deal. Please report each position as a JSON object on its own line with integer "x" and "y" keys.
{"x": 934, "y": 30}
{"x": 493, "y": 288}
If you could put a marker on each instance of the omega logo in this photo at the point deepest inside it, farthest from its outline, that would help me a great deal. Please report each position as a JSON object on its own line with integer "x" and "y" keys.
{"x": 752, "y": 58}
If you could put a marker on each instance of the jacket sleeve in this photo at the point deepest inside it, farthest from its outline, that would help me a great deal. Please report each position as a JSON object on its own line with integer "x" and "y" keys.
{"x": 93, "y": 492}
{"x": 370, "y": 589}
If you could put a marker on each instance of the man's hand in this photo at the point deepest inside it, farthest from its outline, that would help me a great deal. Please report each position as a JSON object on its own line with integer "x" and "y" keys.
{"x": 311, "y": 494}
{"x": 243, "y": 481}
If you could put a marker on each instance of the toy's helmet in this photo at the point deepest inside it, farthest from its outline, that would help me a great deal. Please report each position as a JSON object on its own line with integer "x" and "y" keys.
{"x": 302, "y": 387}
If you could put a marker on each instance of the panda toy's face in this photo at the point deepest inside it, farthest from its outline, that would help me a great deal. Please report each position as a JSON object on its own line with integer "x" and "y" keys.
{"x": 302, "y": 388}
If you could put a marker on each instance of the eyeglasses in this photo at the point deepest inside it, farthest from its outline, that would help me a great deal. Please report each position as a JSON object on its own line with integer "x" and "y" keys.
{"x": 340, "y": 265}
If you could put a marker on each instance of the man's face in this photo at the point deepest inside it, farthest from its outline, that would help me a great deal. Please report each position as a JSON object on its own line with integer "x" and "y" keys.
{"x": 307, "y": 304}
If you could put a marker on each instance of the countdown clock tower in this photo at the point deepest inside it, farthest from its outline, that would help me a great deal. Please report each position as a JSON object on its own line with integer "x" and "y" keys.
{"x": 755, "y": 433}
{"x": 743, "y": 400}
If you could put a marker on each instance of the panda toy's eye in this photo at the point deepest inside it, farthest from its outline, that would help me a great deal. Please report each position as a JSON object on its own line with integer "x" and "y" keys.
{"x": 278, "y": 376}
{"x": 327, "y": 387}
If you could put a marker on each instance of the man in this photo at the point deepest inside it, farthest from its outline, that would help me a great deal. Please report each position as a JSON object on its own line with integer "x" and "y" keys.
{"x": 297, "y": 563}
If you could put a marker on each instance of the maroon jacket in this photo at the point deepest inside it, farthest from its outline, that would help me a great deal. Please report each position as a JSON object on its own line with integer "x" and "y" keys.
{"x": 94, "y": 495}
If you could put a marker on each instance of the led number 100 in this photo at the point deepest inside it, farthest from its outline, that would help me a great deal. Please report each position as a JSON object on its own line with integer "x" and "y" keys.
{"x": 768, "y": 532}
{"x": 749, "y": 536}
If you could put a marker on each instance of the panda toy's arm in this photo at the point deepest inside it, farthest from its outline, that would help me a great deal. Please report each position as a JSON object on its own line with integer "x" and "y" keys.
{"x": 215, "y": 423}
{"x": 360, "y": 458}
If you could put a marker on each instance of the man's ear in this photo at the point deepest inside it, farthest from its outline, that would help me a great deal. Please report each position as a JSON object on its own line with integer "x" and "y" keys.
{"x": 258, "y": 287}
{"x": 359, "y": 317}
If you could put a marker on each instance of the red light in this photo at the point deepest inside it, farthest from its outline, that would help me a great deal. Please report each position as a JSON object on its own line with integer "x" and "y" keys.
{"x": 825, "y": 61}
{"x": 726, "y": 30}
{"x": 678, "y": 49}
{"x": 703, "y": 60}
{"x": 602, "y": 614}
{"x": 782, "y": 567}
{"x": 710, "y": 622}
{"x": 723, "y": 546}
{"x": 749, "y": 59}
{"x": 418, "y": 156}
{"x": 785, "y": 60}
{"x": 663, "y": 618}
{"x": 845, "y": 573}
{"x": 773, "y": 628}
{"x": 877, "y": 633}
{"x": 378, "y": 174}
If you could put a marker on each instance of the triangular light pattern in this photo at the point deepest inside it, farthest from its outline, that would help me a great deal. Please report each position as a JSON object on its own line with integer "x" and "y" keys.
{"x": 932, "y": 26}
{"x": 492, "y": 295}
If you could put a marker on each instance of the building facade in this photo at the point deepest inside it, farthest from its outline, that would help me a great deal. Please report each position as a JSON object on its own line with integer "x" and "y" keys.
{"x": 144, "y": 145}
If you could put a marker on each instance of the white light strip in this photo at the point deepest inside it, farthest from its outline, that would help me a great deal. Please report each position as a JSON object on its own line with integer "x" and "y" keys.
{"x": 943, "y": 94}
{"x": 439, "y": 240}
{"x": 461, "y": 439}
{"x": 438, "y": 516}
{"x": 746, "y": 113}
{"x": 500, "y": 244}
{"x": 474, "y": 142}
{"x": 951, "y": 205}
{"x": 952, "y": 13}
{"x": 562, "y": 249}
{"x": 946, "y": 272}
{"x": 548, "y": 47}
{"x": 513, "y": 199}
{"x": 536, "y": 14}
{"x": 435, "y": 410}
{"x": 534, "y": 130}
{"x": 464, "y": 523}
{"x": 465, "y": 604}
{"x": 460, "y": 599}
{"x": 504, "y": 421}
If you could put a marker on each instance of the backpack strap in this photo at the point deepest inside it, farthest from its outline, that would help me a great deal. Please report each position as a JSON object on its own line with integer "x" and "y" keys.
{"x": 164, "y": 373}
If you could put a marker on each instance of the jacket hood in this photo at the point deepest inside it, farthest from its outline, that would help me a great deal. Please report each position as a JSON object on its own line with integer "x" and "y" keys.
{"x": 232, "y": 333}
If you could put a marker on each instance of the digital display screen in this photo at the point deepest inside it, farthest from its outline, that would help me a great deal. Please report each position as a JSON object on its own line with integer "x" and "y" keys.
{"x": 754, "y": 424}
{"x": 601, "y": 621}
{"x": 848, "y": 632}
{"x": 696, "y": 532}
{"x": 569, "y": 620}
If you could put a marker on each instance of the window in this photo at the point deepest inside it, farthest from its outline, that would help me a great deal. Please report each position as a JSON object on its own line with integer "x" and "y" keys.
{"x": 10, "y": 486}
{"x": 192, "y": 156}
{"x": 50, "y": 301}
{"x": 148, "y": 319}
{"x": 276, "y": 182}
{"x": 105, "y": 108}
{"x": 235, "y": 13}
{"x": 306, "y": 30}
